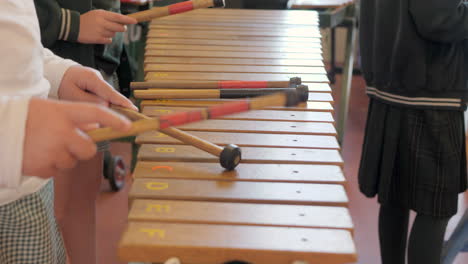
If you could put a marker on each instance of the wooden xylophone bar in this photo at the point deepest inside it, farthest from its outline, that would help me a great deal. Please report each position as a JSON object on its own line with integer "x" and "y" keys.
{"x": 286, "y": 201}
{"x": 293, "y": 82}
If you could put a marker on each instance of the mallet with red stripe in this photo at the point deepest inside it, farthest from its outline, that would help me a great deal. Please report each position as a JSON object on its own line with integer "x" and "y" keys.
{"x": 229, "y": 156}
{"x": 187, "y": 84}
{"x": 288, "y": 98}
{"x": 157, "y": 12}
{"x": 302, "y": 91}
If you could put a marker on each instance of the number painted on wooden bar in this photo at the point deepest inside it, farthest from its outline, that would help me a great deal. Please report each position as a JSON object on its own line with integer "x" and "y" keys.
{"x": 159, "y": 208}
{"x": 168, "y": 168}
{"x": 151, "y": 232}
{"x": 160, "y": 135}
{"x": 160, "y": 74}
{"x": 165, "y": 150}
{"x": 157, "y": 186}
{"x": 163, "y": 111}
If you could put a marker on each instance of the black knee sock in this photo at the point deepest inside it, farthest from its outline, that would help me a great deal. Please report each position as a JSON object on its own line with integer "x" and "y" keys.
{"x": 393, "y": 230}
{"x": 426, "y": 239}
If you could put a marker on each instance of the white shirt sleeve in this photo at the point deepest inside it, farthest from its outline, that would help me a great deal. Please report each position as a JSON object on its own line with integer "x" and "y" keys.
{"x": 26, "y": 70}
{"x": 54, "y": 69}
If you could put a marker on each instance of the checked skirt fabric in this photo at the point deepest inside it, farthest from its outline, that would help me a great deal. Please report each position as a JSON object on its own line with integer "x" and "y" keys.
{"x": 28, "y": 230}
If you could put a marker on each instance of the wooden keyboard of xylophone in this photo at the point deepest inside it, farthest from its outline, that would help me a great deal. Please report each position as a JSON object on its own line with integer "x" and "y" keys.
{"x": 286, "y": 201}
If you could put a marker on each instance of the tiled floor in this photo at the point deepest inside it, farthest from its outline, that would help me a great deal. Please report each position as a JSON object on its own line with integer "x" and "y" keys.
{"x": 112, "y": 207}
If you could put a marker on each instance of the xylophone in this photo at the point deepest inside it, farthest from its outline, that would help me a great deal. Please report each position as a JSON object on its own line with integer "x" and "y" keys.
{"x": 286, "y": 200}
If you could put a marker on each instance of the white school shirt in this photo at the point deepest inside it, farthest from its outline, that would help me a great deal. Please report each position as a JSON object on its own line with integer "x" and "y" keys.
{"x": 26, "y": 70}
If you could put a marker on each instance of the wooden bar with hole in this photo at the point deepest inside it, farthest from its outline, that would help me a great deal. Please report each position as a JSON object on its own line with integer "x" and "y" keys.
{"x": 247, "y": 140}
{"x": 295, "y": 173}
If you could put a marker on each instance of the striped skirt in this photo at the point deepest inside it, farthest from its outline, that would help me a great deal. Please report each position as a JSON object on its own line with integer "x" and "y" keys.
{"x": 28, "y": 231}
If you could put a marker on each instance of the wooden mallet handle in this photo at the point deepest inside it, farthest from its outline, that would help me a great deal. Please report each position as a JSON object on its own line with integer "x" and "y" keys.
{"x": 302, "y": 90}
{"x": 188, "y": 84}
{"x": 173, "y": 9}
{"x": 289, "y": 98}
{"x": 229, "y": 156}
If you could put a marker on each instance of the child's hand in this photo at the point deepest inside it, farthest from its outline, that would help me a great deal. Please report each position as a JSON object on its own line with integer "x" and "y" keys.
{"x": 54, "y": 138}
{"x": 86, "y": 85}
{"x": 100, "y": 26}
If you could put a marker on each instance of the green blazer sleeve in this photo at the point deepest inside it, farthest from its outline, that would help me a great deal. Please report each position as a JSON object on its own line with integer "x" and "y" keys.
{"x": 57, "y": 23}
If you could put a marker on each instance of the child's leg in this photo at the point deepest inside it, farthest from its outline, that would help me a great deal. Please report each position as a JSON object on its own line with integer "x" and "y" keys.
{"x": 426, "y": 239}
{"x": 393, "y": 230}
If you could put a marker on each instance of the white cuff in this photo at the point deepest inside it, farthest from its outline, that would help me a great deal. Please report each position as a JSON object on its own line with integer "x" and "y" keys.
{"x": 54, "y": 72}
{"x": 13, "y": 113}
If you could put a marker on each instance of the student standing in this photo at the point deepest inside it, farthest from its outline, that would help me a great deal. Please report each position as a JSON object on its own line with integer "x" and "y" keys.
{"x": 89, "y": 32}
{"x": 415, "y": 63}
{"x": 40, "y": 137}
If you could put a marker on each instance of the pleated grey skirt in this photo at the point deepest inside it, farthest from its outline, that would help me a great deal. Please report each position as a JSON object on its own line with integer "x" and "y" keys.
{"x": 414, "y": 158}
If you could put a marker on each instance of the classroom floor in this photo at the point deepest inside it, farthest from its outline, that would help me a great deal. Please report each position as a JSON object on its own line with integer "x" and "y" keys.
{"x": 112, "y": 207}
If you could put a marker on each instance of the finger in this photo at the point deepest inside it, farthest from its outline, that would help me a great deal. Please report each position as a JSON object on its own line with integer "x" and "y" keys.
{"x": 113, "y": 26}
{"x": 81, "y": 146}
{"x": 88, "y": 127}
{"x": 85, "y": 113}
{"x": 102, "y": 40}
{"x": 108, "y": 93}
{"x": 65, "y": 161}
{"x": 108, "y": 33}
{"x": 84, "y": 96}
{"x": 121, "y": 19}
{"x": 120, "y": 100}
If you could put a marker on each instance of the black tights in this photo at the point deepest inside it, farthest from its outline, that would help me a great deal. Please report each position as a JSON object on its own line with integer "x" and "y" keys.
{"x": 425, "y": 242}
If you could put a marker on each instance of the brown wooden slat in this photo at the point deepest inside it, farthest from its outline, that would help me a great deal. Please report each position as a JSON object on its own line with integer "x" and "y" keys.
{"x": 246, "y": 126}
{"x": 226, "y": 26}
{"x": 261, "y": 115}
{"x": 305, "y": 107}
{"x": 297, "y": 173}
{"x": 233, "y": 69}
{"x": 188, "y": 35}
{"x": 311, "y": 19}
{"x": 289, "y": 33}
{"x": 234, "y": 43}
{"x": 239, "y": 192}
{"x": 212, "y": 47}
{"x": 314, "y": 78}
{"x": 232, "y": 54}
{"x": 247, "y": 140}
{"x": 313, "y": 32}
{"x": 296, "y": 20}
{"x": 214, "y": 244}
{"x": 233, "y": 61}
{"x": 316, "y": 4}
{"x": 318, "y": 87}
{"x": 229, "y": 22}
{"x": 240, "y": 214}
{"x": 183, "y": 153}
{"x": 256, "y": 12}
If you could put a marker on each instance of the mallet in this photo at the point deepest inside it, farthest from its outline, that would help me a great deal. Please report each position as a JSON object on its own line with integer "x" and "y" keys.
{"x": 157, "y": 12}
{"x": 289, "y": 98}
{"x": 187, "y": 84}
{"x": 229, "y": 156}
{"x": 302, "y": 90}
